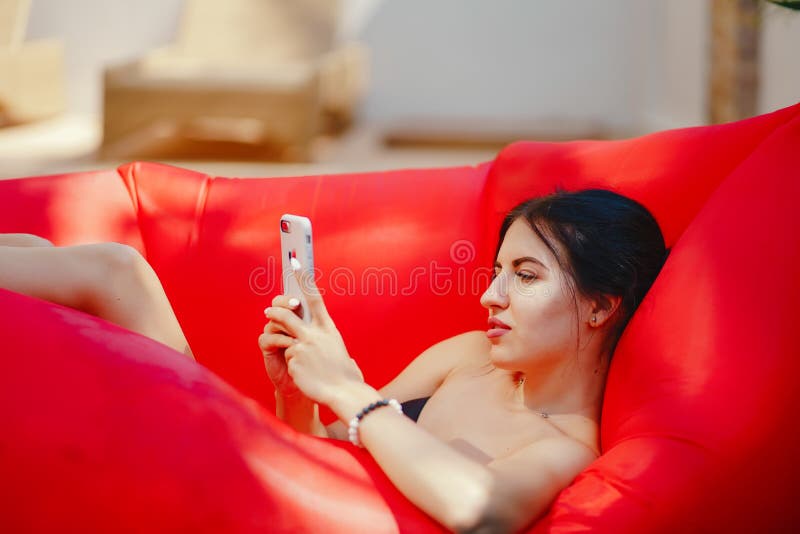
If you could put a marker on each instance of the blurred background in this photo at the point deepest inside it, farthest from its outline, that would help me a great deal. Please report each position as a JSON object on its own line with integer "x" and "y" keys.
{"x": 290, "y": 87}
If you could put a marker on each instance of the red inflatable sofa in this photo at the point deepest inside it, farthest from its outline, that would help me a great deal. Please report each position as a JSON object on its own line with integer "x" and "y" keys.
{"x": 105, "y": 430}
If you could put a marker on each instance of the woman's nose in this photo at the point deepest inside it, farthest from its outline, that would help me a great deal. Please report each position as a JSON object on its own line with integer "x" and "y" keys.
{"x": 496, "y": 295}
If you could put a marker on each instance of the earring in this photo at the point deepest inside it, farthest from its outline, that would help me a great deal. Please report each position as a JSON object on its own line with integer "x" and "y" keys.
{"x": 594, "y": 319}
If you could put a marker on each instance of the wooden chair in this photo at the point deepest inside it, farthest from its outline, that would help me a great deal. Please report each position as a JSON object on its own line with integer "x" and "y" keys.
{"x": 245, "y": 79}
{"x": 31, "y": 73}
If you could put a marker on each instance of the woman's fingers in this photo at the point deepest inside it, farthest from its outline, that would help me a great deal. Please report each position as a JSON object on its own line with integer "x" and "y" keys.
{"x": 309, "y": 287}
{"x": 271, "y": 342}
{"x": 283, "y": 320}
{"x": 271, "y": 327}
{"x": 274, "y": 348}
{"x": 286, "y": 301}
{"x": 281, "y": 301}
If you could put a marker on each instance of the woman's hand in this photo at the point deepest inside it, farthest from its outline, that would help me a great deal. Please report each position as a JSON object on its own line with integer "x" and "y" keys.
{"x": 273, "y": 343}
{"x": 315, "y": 357}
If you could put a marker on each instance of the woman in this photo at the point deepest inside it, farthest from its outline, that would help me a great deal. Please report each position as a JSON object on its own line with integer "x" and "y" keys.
{"x": 513, "y": 412}
{"x": 110, "y": 280}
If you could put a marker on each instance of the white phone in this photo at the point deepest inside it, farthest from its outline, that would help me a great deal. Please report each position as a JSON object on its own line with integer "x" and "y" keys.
{"x": 296, "y": 243}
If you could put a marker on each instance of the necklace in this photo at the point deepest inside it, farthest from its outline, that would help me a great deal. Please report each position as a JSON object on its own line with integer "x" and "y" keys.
{"x": 542, "y": 414}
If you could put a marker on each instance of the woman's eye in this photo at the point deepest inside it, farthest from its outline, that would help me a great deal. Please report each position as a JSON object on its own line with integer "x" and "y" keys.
{"x": 526, "y": 277}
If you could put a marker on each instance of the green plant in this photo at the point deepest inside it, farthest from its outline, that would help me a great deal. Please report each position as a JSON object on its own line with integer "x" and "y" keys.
{"x": 791, "y": 4}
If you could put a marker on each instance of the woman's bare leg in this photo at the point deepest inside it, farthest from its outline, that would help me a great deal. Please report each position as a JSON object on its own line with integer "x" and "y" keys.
{"x": 109, "y": 280}
{"x": 23, "y": 240}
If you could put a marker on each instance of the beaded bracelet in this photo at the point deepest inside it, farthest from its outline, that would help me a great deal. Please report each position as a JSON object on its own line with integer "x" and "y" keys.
{"x": 352, "y": 430}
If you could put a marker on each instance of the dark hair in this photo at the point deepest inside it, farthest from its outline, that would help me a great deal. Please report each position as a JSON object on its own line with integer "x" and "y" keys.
{"x": 611, "y": 245}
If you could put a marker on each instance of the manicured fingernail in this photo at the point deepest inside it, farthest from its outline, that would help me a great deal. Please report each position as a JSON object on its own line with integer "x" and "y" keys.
{"x": 266, "y": 311}
{"x": 293, "y": 303}
{"x": 295, "y": 264}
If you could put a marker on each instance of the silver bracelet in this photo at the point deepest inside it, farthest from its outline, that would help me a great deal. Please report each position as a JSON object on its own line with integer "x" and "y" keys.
{"x": 352, "y": 429}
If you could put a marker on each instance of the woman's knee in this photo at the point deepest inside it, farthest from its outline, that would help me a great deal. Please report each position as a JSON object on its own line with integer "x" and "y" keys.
{"x": 112, "y": 266}
{"x": 112, "y": 271}
{"x": 24, "y": 240}
{"x": 118, "y": 255}
{"x": 117, "y": 260}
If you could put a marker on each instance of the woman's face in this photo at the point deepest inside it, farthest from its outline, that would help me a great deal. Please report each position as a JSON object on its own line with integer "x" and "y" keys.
{"x": 532, "y": 315}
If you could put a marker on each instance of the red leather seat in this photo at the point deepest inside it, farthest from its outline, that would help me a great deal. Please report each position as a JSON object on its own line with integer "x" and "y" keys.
{"x": 103, "y": 429}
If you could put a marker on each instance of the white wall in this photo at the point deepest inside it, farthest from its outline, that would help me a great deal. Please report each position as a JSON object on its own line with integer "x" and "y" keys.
{"x": 780, "y": 59}
{"x": 520, "y": 59}
{"x": 636, "y": 65}
{"x": 100, "y": 32}
{"x": 674, "y": 60}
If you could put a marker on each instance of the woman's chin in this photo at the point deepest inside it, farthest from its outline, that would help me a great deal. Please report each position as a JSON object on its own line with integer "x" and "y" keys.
{"x": 499, "y": 356}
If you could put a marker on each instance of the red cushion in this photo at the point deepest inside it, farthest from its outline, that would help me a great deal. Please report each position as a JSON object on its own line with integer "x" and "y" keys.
{"x": 85, "y": 207}
{"x": 214, "y": 243}
{"x": 700, "y": 391}
{"x": 696, "y": 428}
{"x": 105, "y": 430}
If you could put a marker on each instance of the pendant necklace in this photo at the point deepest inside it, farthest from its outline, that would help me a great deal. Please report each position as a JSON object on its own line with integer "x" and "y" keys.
{"x": 520, "y": 383}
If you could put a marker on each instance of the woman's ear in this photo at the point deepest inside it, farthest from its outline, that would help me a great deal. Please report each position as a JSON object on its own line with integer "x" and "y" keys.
{"x": 602, "y": 309}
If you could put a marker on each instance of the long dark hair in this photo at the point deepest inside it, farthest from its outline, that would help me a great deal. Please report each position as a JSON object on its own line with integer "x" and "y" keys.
{"x": 606, "y": 243}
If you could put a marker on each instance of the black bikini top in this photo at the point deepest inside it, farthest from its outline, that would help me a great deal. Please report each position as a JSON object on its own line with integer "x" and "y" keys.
{"x": 413, "y": 408}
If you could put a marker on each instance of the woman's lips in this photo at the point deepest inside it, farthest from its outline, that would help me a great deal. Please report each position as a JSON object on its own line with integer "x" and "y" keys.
{"x": 496, "y": 332}
{"x": 496, "y": 328}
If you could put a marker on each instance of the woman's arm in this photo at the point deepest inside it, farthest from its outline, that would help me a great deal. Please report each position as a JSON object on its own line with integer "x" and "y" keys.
{"x": 291, "y": 405}
{"x": 302, "y": 414}
{"x": 455, "y": 490}
{"x": 423, "y": 376}
{"x": 460, "y": 493}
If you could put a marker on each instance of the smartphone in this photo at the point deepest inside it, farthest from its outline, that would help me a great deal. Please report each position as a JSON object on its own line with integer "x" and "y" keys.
{"x": 296, "y": 243}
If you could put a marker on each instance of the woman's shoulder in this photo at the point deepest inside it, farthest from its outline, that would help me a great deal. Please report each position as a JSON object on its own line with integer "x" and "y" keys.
{"x": 580, "y": 429}
{"x": 470, "y": 348}
{"x": 473, "y": 340}
{"x": 423, "y": 376}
